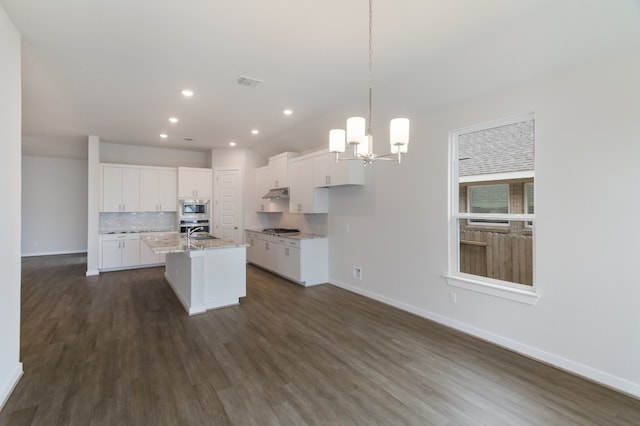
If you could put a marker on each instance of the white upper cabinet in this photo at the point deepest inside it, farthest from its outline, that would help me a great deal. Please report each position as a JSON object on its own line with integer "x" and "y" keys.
{"x": 303, "y": 197}
{"x": 195, "y": 182}
{"x": 279, "y": 170}
{"x": 329, "y": 173}
{"x": 158, "y": 189}
{"x": 120, "y": 189}
{"x": 168, "y": 190}
{"x": 262, "y": 187}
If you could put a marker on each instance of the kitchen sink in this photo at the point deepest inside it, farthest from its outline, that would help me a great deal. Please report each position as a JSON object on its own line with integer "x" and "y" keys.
{"x": 203, "y": 237}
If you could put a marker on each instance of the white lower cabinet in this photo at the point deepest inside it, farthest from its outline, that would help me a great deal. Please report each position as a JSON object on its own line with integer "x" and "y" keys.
{"x": 305, "y": 261}
{"x": 120, "y": 250}
{"x": 124, "y": 251}
{"x": 289, "y": 262}
{"x": 254, "y": 249}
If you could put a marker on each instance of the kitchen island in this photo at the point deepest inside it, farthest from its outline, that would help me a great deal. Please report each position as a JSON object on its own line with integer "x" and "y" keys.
{"x": 204, "y": 274}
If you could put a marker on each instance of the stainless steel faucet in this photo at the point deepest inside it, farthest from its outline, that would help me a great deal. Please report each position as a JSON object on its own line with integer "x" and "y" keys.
{"x": 191, "y": 231}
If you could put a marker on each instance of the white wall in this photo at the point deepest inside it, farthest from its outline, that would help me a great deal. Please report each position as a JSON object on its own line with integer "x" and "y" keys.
{"x": 152, "y": 156}
{"x": 54, "y": 205}
{"x": 587, "y": 227}
{"x": 10, "y": 128}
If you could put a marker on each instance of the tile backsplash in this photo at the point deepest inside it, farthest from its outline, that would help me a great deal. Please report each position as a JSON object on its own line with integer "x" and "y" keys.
{"x": 137, "y": 222}
{"x": 316, "y": 224}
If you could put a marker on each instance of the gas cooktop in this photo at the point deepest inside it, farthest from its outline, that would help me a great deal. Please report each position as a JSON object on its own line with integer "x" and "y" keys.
{"x": 280, "y": 231}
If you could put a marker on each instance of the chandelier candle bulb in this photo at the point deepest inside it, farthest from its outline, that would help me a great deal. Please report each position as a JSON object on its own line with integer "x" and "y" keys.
{"x": 399, "y": 135}
{"x": 336, "y": 140}
{"x": 356, "y": 131}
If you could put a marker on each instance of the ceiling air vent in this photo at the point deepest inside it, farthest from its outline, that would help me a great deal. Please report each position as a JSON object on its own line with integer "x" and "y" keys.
{"x": 245, "y": 81}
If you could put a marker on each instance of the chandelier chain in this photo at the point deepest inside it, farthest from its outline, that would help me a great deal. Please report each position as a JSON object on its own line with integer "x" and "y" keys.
{"x": 370, "y": 126}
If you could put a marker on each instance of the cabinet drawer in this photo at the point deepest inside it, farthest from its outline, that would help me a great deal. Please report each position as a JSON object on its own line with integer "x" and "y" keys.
{"x": 120, "y": 237}
{"x": 292, "y": 243}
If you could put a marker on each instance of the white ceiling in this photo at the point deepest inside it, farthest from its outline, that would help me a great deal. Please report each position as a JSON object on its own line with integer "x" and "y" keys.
{"x": 116, "y": 68}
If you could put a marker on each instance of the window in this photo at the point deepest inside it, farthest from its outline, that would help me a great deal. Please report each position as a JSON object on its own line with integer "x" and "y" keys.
{"x": 488, "y": 199}
{"x": 492, "y": 211}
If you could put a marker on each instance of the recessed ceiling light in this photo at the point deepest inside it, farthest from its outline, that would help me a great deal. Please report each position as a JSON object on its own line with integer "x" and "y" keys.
{"x": 232, "y": 144}
{"x": 173, "y": 120}
{"x": 188, "y": 93}
{"x": 287, "y": 112}
{"x": 163, "y": 135}
{"x": 255, "y": 131}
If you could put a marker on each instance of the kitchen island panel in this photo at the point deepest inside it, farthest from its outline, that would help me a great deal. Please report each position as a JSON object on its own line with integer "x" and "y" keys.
{"x": 225, "y": 275}
{"x": 207, "y": 279}
{"x": 179, "y": 270}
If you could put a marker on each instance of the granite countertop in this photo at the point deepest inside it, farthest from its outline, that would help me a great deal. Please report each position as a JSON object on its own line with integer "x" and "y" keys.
{"x": 294, "y": 236}
{"x": 177, "y": 243}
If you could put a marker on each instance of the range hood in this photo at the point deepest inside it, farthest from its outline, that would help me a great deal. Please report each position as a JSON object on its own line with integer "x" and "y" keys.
{"x": 278, "y": 193}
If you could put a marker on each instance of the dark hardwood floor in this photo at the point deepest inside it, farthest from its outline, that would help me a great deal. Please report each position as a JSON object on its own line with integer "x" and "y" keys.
{"x": 118, "y": 349}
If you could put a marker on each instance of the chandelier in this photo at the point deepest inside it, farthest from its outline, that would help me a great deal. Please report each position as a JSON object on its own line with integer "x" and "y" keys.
{"x": 360, "y": 137}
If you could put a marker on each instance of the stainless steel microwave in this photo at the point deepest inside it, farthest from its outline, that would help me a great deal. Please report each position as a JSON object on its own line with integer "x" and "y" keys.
{"x": 194, "y": 209}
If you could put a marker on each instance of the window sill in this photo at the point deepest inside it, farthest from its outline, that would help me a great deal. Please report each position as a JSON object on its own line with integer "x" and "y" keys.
{"x": 529, "y": 297}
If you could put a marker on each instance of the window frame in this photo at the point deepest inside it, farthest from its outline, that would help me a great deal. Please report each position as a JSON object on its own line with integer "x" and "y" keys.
{"x": 529, "y": 224}
{"x": 522, "y": 293}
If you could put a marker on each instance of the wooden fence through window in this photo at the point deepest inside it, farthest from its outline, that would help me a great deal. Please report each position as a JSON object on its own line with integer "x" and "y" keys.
{"x": 506, "y": 257}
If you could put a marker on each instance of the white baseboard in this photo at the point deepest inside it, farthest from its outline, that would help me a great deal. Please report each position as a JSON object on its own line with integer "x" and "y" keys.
{"x": 10, "y": 384}
{"x": 215, "y": 304}
{"x": 54, "y": 253}
{"x": 600, "y": 377}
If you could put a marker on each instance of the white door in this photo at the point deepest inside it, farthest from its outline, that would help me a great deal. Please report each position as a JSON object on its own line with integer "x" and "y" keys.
{"x": 226, "y": 214}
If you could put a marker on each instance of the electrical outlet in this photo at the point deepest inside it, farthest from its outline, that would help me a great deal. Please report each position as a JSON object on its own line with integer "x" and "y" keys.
{"x": 357, "y": 272}
{"x": 453, "y": 297}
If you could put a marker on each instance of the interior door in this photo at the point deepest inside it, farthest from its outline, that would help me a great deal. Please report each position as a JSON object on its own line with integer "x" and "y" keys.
{"x": 226, "y": 214}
